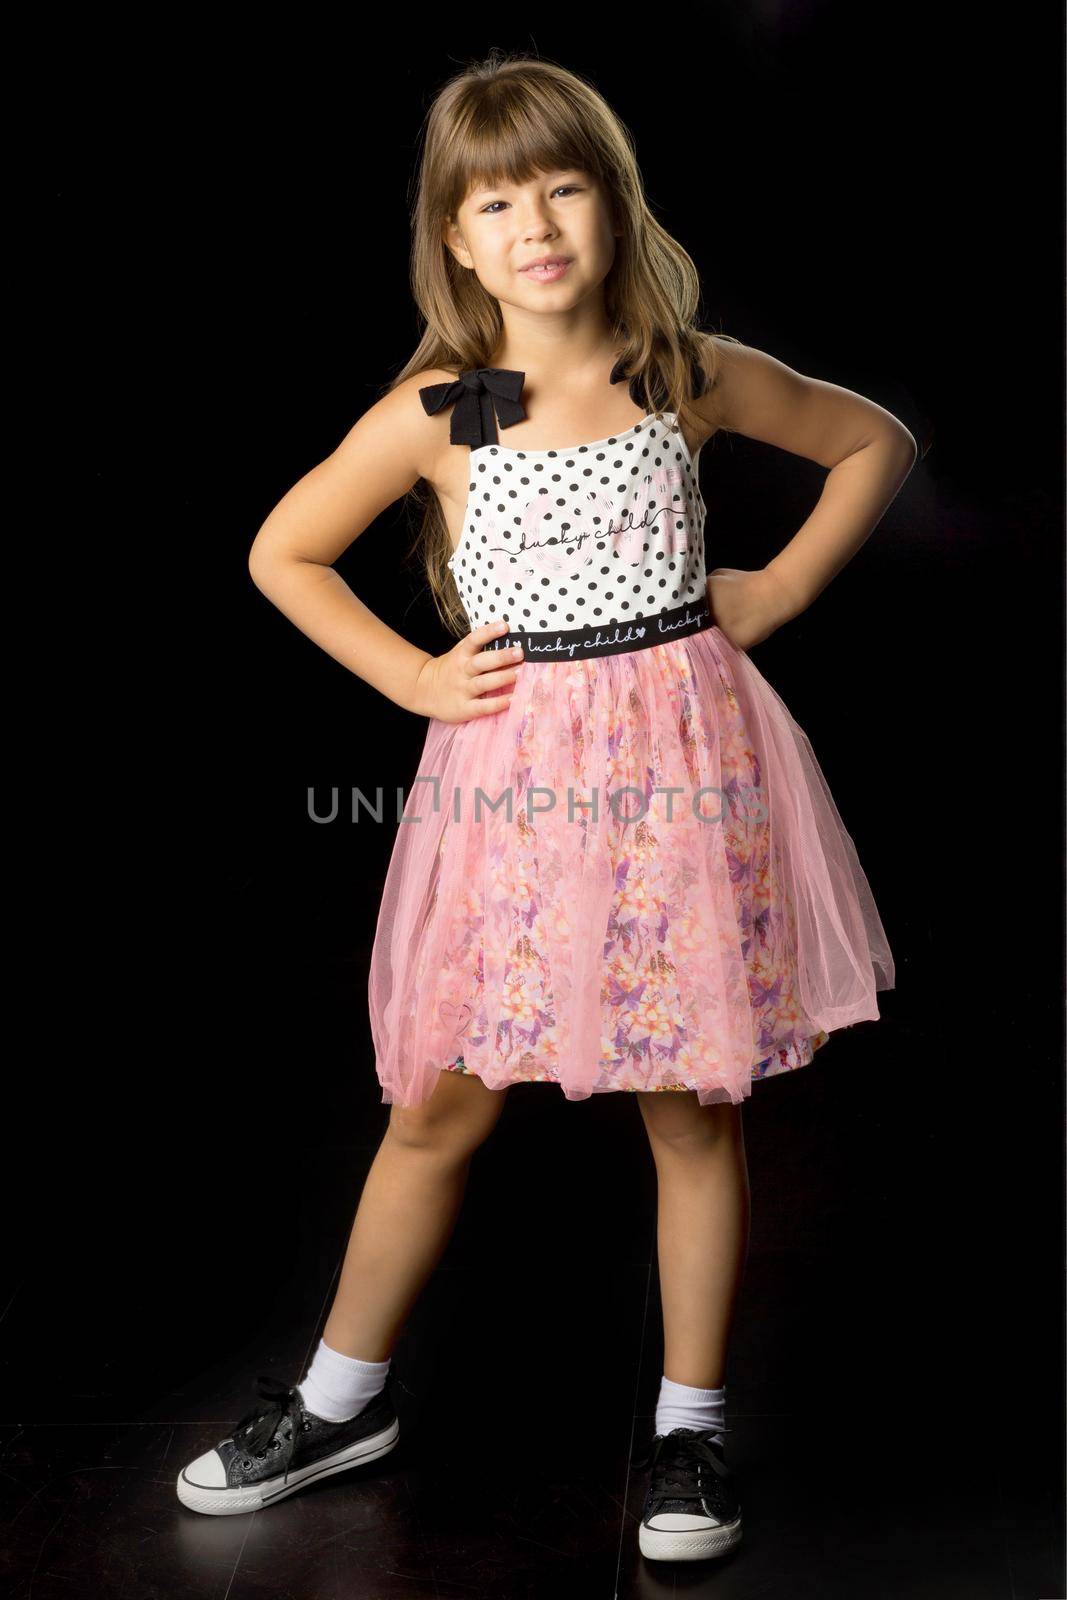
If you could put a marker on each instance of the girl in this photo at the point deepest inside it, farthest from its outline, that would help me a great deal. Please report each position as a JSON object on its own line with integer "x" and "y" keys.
{"x": 628, "y": 873}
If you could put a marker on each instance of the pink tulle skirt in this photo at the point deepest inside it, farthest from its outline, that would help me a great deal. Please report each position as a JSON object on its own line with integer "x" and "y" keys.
{"x": 633, "y": 878}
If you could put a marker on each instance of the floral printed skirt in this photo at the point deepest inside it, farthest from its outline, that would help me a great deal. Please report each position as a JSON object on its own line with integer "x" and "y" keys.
{"x": 631, "y": 1076}
{"x": 634, "y": 877}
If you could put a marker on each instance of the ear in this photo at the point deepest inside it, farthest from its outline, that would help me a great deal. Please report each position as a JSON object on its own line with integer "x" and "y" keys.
{"x": 452, "y": 239}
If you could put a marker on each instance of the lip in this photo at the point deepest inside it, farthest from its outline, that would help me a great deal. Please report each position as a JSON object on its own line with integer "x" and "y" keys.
{"x": 548, "y": 269}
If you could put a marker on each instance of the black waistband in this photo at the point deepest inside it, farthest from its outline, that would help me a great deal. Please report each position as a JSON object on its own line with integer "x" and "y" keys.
{"x": 570, "y": 644}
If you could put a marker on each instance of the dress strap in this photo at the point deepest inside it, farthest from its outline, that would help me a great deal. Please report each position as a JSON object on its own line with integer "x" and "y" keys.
{"x": 480, "y": 391}
{"x": 472, "y": 397}
{"x": 618, "y": 374}
{"x": 698, "y": 380}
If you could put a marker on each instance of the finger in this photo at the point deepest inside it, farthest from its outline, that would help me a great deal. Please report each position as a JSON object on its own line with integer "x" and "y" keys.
{"x": 478, "y": 638}
{"x": 491, "y": 680}
{"x": 488, "y": 705}
{"x": 489, "y": 660}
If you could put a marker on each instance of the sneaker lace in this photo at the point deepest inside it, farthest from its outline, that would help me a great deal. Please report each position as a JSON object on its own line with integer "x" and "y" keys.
{"x": 258, "y": 1426}
{"x": 676, "y": 1460}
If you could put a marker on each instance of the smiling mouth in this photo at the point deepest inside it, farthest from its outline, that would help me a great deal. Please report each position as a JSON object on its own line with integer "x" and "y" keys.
{"x": 552, "y": 268}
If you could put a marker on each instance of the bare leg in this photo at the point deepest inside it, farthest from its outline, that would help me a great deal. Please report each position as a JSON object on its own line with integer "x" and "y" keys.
{"x": 407, "y": 1211}
{"x": 703, "y": 1223}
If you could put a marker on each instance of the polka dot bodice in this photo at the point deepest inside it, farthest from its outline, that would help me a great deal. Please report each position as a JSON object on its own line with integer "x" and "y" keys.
{"x": 599, "y": 533}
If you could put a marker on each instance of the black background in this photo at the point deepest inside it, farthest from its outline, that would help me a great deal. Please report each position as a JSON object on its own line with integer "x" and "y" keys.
{"x": 871, "y": 194}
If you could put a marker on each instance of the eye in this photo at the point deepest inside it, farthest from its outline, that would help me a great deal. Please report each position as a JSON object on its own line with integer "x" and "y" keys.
{"x": 489, "y": 212}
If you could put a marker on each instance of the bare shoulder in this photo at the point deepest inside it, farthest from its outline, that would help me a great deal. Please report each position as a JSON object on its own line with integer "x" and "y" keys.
{"x": 757, "y": 395}
{"x": 399, "y": 428}
{"x": 434, "y": 432}
{"x": 708, "y": 409}
{"x": 386, "y": 451}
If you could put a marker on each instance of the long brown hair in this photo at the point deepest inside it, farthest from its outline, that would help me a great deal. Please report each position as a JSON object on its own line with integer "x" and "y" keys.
{"x": 505, "y": 119}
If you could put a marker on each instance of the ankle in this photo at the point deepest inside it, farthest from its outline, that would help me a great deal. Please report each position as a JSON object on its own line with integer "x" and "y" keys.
{"x": 682, "y": 1406}
{"x": 338, "y": 1387}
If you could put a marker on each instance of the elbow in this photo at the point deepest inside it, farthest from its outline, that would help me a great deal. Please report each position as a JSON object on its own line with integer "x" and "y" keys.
{"x": 261, "y": 565}
{"x": 256, "y": 569}
{"x": 272, "y": 569}
{"x": 901, "y": 452}
{"x": 909, "y": 450}
{"x": 265, "y": 575}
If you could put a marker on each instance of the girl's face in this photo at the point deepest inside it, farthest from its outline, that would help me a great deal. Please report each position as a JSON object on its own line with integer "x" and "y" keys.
{"x": 499, "y": 232}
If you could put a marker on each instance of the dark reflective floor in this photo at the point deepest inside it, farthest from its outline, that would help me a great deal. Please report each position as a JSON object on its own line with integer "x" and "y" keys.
{"x": 886, "y": 1433}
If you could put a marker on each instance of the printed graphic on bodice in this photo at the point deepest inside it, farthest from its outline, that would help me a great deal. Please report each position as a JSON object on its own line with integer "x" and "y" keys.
{"x": 554, "y": 541}
{"x": 562, "y": 533}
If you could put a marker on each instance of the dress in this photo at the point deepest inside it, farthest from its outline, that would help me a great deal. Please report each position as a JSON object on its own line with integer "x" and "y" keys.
{"x": 635, "y": 877}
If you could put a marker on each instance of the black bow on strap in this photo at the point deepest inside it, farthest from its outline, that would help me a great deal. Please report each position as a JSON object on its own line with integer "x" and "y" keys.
{"x": 697, "y": 374}
{"x": 472, "y": 395}
{"x": 618, "y": 374}
{"x": 257, "y": 1427}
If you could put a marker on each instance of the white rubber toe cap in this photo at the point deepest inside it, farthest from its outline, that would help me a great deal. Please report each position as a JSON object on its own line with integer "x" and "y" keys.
{"x": 681, "y": 1522}
{"x": 207, "y": 1471}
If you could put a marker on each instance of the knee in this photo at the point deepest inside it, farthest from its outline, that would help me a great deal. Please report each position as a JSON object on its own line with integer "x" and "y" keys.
{"x": 418, "y": 1128}
{"x": 446, "y": 1129}
{"x": 690, "y": 1129}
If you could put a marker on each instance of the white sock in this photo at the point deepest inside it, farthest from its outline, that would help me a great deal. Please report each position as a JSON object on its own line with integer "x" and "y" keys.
{"x": 338, "y": 1387}
{"x": 682, "y": 1407}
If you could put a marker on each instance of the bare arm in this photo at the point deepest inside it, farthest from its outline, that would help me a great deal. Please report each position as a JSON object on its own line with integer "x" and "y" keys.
{"x": 291, "y": 558}
{"x": 869, "y": 454}
{"x": 392, "y": 445}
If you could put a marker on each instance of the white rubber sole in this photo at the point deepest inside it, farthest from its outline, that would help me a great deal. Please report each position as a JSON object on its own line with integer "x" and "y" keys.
{"x": 257, "y": 1496}
{"x": 695, "y": 1544}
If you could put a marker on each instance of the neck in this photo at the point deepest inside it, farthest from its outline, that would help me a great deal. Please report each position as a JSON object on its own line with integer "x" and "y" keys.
{"x": 574, "y": 354}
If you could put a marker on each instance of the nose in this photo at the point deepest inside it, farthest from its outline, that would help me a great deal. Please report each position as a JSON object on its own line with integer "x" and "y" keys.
{"x": 534, "y": 218}
{"x": 541, "y": 231}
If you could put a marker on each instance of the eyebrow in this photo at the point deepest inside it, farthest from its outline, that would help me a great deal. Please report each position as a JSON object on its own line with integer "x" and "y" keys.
{"x": 560, "y": 172}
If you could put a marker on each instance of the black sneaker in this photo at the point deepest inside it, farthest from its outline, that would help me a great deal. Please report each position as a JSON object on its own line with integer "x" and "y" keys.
{"x": 280, "y": 1447}
{"x": 691, "y": 1509}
